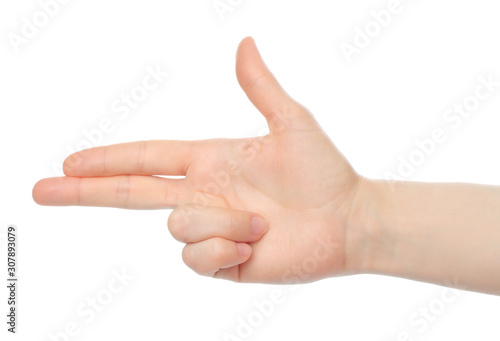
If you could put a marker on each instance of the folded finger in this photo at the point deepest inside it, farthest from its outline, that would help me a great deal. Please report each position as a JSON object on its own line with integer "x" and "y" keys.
{"x": 210, "y": 255}
{"x": 193, "y": 223}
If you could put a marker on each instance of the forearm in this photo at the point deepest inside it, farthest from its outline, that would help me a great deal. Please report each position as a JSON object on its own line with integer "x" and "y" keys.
{"x": 443, "y": 233}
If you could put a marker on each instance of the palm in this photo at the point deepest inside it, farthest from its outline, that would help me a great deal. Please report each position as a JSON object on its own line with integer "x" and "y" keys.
{"x": 299, "y": 182}
{"x": 294, "y": 179}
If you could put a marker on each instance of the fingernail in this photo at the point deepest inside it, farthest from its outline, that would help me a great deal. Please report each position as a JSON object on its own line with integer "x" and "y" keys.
{"x": 259, "y": 226}
{"x": 244, "y": 249}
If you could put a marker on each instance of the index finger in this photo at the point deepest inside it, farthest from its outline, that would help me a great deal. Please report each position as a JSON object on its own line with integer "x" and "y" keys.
{"x": 133, "y": 158}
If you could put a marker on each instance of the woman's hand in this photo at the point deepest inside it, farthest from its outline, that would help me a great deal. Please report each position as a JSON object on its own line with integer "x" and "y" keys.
{"x": 271, "y": 209}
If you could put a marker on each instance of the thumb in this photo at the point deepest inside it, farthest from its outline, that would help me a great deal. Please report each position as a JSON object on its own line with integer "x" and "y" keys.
{"x": 266, "y": 94}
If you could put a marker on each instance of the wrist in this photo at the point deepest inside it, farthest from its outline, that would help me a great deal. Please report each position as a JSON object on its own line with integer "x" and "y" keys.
{"x": 370, "y": 243}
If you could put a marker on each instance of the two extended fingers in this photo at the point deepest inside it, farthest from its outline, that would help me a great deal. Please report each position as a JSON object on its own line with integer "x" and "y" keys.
{"x": 121, "y": 176}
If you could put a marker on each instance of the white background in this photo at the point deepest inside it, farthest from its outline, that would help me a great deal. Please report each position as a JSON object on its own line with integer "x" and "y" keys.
{"x": 65, "y": 78}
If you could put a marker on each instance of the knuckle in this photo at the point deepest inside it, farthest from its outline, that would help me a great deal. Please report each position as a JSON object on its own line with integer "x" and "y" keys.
{"x": 187, "y": 257}
{"x": 176, "y": 223}
{"x": 218, "y": 250}
{"x": 229, "y": 224}
{"x": 141, "y": 156}
{"x": 123, "y": 191}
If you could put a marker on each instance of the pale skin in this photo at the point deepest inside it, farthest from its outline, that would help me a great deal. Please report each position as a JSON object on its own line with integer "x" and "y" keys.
{"x": 288, "y": 207}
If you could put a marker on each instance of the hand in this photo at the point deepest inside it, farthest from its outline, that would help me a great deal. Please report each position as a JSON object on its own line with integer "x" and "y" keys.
{"x": 271, "y": 209}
